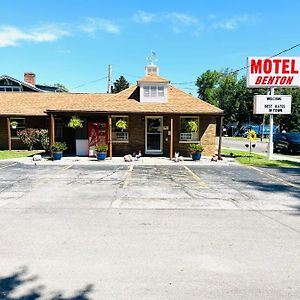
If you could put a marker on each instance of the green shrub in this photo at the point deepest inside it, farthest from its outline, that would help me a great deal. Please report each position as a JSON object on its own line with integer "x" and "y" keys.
{"x": 43, "y": 137}
{"x": 34, "y": 138}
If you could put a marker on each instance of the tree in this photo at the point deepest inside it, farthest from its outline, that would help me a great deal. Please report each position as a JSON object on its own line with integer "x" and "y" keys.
{"x": 61, "y": 86}
{"x": 290, "y": 122}
{"x": 231, "y": 94}
{"x": 207, "y": 84}
{"x": 120, "y": 85}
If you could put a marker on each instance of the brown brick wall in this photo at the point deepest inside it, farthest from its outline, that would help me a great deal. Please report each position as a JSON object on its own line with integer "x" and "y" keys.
{"x": 137, "y": 136}
{"x": 207, "y": 127}
{"x": 136, "y": 126}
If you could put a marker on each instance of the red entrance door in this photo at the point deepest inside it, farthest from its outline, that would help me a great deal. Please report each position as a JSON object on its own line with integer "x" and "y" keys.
{"x": 98, "y": 134}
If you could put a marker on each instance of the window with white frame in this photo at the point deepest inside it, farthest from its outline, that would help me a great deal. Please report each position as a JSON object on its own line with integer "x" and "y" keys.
{"x": 120, "y": 128}
{"x": 20, "y": 126}
{"x": 189, "y": 129}
{"x": 154, "y": 91}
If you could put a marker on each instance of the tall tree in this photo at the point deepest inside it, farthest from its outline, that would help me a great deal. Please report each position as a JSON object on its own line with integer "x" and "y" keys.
{"x": 120, "y": 85}
{"x": 207, "y": 84}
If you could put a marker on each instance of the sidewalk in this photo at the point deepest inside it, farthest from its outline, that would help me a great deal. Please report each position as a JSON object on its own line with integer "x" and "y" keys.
{"x": 77, "y": 160}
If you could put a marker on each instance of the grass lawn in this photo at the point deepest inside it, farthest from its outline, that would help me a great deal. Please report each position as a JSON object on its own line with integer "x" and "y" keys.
{"x": 15, "y": 154}
{"x": 255, "y": 159}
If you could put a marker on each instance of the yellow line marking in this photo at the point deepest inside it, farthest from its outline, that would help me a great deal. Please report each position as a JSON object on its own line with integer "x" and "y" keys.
{"x": 41, "y": 182}
{"x": 8, "y": 166}
{"x": 128, "y": 175}
{"x": 196, "y": 177}
{"x": 64, "y": 169}
{"x": 276, "y": 178}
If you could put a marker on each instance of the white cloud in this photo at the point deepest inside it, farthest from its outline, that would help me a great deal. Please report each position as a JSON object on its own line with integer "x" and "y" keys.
{"x": 182, "y": 19}
{"x": 92, "y": 25}
{"x": 143, "y": 17}
{"x": 234, "y": 22}
{"x": 181, "y": 22}
{"x": 13, "y": 36}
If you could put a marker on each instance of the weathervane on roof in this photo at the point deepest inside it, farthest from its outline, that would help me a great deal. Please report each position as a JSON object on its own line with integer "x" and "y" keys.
{"x": 152, "y": 59}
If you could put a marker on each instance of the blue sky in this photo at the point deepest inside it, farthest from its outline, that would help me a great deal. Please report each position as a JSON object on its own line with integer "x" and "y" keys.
{"x": 73, "y": 42}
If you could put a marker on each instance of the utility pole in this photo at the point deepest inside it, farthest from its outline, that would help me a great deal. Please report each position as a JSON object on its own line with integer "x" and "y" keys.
{"x": 109, "y": 79}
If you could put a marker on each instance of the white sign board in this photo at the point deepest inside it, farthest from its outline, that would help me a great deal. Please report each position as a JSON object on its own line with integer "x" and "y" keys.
{"x": 266, "y": 104}
{"x": 273, "y": 72}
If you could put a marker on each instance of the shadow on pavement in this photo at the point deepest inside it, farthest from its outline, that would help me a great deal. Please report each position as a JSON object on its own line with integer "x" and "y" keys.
{"x": 12, "y": 283}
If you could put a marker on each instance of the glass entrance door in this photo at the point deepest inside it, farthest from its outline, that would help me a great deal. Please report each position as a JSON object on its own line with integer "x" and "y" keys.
{"x": 154, "y": 129}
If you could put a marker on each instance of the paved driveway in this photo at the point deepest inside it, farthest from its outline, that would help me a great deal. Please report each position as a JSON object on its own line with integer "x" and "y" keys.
{"x": 148, "y": 232}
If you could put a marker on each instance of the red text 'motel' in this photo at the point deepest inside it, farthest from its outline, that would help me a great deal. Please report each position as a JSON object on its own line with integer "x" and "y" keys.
{"x": 277, "y": 67}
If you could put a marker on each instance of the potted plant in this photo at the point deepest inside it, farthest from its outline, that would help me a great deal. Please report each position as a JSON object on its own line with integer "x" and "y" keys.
{"x": 75, "y": 122}
{"x": 101, "y": 151}
{"x": 121, "y": 124}
{"x": 13, "y": 124}
{"x": 196, "y": 150}
{"x": 191, "y": 126}
{"x": 57, "y": 150}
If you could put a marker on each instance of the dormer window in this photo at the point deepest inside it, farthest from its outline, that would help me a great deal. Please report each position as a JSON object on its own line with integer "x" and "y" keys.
{"x": 154, "y": 91}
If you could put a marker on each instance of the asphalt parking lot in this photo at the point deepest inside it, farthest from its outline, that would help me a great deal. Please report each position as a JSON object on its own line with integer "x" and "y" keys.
{"x": 149, "y": 232}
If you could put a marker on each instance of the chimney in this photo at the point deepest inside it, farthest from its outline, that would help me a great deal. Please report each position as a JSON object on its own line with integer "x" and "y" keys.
{"x": 29, "y": 77}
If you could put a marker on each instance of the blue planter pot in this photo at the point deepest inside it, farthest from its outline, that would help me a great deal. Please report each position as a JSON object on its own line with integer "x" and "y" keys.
{"x": 101, "y": 155}
{"x": 57, "y": 155}
{"x": 196, "y": 155}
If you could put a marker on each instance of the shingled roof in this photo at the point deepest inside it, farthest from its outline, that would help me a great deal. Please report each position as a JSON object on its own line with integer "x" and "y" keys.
{"x": 153, "y": 78}
{"x": 125, "y": 102}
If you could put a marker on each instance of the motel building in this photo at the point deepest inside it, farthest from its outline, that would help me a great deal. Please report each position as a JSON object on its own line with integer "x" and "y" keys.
{"x": 156, "y": 113}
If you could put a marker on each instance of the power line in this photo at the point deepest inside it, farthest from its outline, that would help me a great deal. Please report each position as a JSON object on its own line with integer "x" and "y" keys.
{"x": 87, "y": 83}
{"x": 186, "y": 82}
{"x": 275, "y": 55}
{"x": 245, "y": 67}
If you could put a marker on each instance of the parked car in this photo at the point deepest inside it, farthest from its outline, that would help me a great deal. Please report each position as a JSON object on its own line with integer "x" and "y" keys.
{"x": 288, "y": 142}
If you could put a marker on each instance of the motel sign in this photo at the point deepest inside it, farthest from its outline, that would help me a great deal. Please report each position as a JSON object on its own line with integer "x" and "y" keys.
{"x": 273, "y": 72}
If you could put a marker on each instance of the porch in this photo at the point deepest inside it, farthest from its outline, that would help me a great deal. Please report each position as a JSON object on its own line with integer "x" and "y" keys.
{"x": 152, "y": 135}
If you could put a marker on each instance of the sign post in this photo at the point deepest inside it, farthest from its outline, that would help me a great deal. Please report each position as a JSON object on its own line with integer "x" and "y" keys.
{"x": 272, "y": 72}
{"x": 271, "y": 144}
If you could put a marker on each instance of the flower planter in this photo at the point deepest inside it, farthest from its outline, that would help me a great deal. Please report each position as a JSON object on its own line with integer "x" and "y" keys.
{"x": 196, "y": 155}
{"x": 101, "y": 155}
{"x": 14, "y": 127}
{"x": 57, "y": 155}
